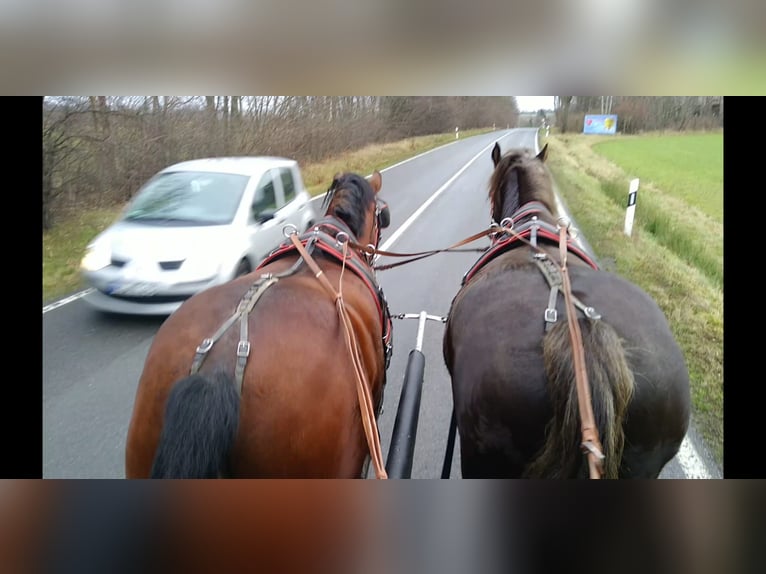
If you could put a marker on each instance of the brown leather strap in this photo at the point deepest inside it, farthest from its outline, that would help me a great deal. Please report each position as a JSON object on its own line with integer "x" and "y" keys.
{"x": 363, "y": 388}
{"x": 373, "y": 251}
{"x": 590, "y": 440}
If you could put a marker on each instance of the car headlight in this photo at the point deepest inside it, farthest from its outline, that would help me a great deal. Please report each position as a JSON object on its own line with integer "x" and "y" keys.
{"x": 97, "y": 256}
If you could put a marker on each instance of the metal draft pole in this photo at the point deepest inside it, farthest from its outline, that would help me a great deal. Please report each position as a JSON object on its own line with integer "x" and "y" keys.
{"x": 400, "y": 456}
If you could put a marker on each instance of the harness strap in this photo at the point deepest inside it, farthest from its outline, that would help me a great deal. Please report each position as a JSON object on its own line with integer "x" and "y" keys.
{"x": 243, "y": 347}
{"x": 363, "y": 390}
{"x": 555, "y": 281}
{"x": 244, "y": 307}
{"x": 590, "y": 440}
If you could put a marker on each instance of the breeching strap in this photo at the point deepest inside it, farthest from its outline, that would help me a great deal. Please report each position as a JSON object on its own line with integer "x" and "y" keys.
{"x": 362, "y": 387}
{"x": 590, "y": 441}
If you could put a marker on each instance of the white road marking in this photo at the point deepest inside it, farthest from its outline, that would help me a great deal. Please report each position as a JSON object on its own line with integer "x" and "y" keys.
{"x": 419, "y": 211}
{"x": 66, "y": 300}
{"x": 691, "y": 462}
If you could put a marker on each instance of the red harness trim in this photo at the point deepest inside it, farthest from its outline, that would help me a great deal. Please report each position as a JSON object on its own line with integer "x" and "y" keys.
{"x": 354, "y": 262}
{"x": 514, "y": 240}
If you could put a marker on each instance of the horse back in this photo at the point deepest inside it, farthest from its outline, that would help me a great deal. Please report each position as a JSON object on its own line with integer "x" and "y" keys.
{"x": 299, "y": 408}
{"x": 493, "y": 349}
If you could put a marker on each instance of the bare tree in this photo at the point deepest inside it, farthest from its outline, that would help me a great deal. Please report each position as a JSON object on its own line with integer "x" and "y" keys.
{"x": 561, "y": 107}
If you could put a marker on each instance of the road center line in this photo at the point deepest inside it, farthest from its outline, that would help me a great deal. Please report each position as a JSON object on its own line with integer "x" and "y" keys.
{"x": 403, "y": 227}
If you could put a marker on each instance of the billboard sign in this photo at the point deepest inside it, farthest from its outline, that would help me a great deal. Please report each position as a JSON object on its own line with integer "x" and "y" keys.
{"x": 600, "y": 124}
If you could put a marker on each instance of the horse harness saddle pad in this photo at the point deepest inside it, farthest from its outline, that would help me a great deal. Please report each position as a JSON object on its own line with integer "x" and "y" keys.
{"x": 527, "y": 226}
{"x": 324, "y": 236}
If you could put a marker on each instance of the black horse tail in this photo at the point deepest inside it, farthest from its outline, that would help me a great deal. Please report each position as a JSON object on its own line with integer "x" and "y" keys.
{"x": 201, "y": 419}
{"x": 611, "y": 386}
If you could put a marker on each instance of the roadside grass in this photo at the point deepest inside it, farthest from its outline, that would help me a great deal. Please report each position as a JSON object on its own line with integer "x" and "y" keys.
{"x": 318, "y": 176}
{"x": 64, "y": 245}
{"x": 675, "y": 254}
{"x": 689, "y": 167}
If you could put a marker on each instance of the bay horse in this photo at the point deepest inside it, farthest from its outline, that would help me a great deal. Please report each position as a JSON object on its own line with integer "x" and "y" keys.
{"x": 293, "y": 389}
{"x": 508, "y": 350}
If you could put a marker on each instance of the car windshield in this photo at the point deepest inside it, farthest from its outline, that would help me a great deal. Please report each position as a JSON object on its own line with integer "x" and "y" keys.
{"x": 199, "y": 198}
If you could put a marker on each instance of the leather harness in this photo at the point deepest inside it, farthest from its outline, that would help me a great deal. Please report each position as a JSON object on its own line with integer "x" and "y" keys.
{"x": 528, "y": 228}
{"x": 326, "y": 236}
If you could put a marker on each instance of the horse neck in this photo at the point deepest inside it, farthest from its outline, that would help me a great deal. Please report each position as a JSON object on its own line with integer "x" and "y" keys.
{"x": 518, "y": 201}
{"x": 537, "y": 189}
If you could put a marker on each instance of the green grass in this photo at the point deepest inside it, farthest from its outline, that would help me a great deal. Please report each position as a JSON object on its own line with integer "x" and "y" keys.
{"x": 689, "y": 167}
{"x": 64, "y": 245}
{"x": 675, "y": 252}
{"x": 672, "y": 229}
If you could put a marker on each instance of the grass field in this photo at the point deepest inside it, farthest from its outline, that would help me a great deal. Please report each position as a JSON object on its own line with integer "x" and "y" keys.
{"x": 689, "y": 167}
{"x": 675, "y": 252}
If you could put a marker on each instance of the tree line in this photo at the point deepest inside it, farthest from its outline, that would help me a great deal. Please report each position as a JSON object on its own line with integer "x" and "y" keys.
{"x": 98, "y": 150}
{"x": 641, "y": 113}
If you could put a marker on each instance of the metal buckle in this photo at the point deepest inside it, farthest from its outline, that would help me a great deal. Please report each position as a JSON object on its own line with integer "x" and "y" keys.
{"x": 591, "y": 313}
{"x": 243, "y": 348}
{"x": 588, "y": 446}
{"x": 551, "y": 315}
{"x": 205, "y": 346}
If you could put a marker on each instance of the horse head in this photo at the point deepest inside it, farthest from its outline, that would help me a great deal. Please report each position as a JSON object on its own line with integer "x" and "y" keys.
{"x": 354, "y": 200}
{"x": 519, "y": 177}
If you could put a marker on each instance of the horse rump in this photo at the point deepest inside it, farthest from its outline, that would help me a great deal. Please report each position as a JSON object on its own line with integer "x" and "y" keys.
{"x": 201, "y": 420}
{"x": 611, "y": 386}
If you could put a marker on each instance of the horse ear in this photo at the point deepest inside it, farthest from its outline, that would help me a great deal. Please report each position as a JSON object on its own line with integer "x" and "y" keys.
{"x": 543, "y": 155}
{"x": 376, "y": 181}
{"x": 496, "y": 154}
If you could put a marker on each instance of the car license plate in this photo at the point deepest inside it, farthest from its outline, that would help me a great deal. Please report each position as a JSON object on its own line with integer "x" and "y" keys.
{"x": 135, "y": 289}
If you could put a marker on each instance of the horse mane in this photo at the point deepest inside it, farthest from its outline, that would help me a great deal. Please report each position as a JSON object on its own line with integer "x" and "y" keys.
{"x": 348, "y": 198}
{"x": 521, "y": 170}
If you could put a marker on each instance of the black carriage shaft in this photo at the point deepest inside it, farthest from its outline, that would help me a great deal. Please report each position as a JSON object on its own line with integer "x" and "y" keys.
{"x": 400, "y": 456}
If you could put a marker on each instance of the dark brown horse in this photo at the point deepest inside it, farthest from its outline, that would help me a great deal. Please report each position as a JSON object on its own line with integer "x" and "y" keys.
{"x": 508, "y": 349}
{"x": 267, "y": 375}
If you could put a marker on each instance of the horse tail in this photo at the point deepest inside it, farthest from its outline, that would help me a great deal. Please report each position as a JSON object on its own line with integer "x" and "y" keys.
{"x": 201, "y": 419}
{"x": 611, "y": 386}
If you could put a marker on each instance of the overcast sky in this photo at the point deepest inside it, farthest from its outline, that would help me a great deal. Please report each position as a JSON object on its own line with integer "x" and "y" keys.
{"x": 534, "y": 103}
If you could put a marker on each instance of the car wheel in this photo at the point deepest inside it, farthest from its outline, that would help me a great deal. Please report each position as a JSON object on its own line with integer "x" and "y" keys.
{"x": 243, "y": 268}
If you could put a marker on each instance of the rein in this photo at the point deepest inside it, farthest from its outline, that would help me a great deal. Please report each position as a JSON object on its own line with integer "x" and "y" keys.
{"x": 372, "y": 251}
{"x": 362, "y": 387}
{"x": 590, "y": 441}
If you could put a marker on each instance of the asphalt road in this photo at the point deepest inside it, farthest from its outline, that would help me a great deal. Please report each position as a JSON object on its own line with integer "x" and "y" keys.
{"x": 92, "y": 361}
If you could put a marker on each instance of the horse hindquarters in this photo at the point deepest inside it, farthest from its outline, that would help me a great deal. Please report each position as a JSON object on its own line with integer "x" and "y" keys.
{"x": 611, "y": 386}
{"x": 201, "y": 419}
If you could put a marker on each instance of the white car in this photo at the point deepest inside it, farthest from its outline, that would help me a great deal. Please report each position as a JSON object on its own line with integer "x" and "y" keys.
{"x": 194, "y": 225}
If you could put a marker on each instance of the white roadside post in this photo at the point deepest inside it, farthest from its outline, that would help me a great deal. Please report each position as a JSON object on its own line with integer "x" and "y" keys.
{"x": 456, "y": 134}
{"x": 630, "y": 213}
